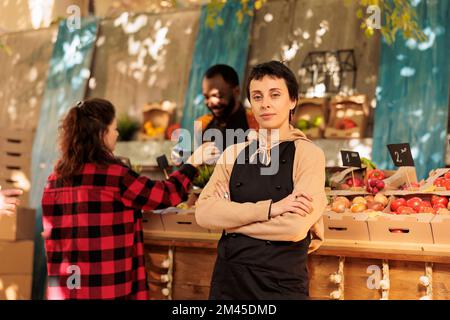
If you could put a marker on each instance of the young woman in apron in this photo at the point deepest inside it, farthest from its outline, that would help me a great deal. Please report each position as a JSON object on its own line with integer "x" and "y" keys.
{"x": 267, "y": 195}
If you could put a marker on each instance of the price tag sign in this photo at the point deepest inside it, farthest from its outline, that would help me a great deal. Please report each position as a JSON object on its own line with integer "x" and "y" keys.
{"x": 401, "y": 154}
{"x": 162, "y": 161}
{"x": 350, "y": 159}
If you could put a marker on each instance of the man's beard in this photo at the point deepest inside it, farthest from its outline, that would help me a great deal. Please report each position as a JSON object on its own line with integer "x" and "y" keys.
{"x": 226, "y": 110}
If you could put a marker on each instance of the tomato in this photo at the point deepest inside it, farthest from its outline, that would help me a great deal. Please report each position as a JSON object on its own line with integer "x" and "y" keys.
{"x": 447, "y": 184}
{"x": 439, "y": 182}
{"x": 447, "y": 176}
{"x": 397, "y": 203}
{"x": 414, "y": 203}
{"x": 425, "y": 209}
{"x": 438, "y": 206}
{"x": 405, "y": 210}
{"x": 426, "y": 204}
{"x": 439, "y": 199}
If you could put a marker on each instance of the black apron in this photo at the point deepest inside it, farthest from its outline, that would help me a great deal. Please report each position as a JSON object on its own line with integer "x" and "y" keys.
{"x": 249, "y": 268}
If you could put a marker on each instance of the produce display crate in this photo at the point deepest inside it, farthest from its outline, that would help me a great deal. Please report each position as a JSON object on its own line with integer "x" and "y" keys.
{"x": 308, "y": 109}
{"x": 152, "y": 222}
{"x": 172, "y": 220}
{"x": 353, "y": 107}
{"x": 346, "y": 226}
{"x": 414, "y": 228}
{"x": 440, "y": 226}
{"x": 182, "y": 221}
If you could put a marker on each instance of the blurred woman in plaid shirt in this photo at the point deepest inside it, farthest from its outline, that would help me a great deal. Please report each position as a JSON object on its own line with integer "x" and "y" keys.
{"x": 92, "y": 209}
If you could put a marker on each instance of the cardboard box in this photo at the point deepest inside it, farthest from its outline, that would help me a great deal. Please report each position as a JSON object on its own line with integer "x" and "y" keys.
{"x": 19, "y": 226}
{"x": 182, "y": 221}
{"x": 15, "y": 287}
{"x": 414, "y": 228}
{"x": 16, "y": 257}
{"x": 440, "y": 226}
{"x": 346, "y": 226}
{"x": 355, "y": 108}
{"x": 152, "y": 222}
{"x": 403, "y": 175}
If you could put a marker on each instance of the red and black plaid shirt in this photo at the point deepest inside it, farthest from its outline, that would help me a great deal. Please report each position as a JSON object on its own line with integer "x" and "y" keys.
{"x": 93, "y": 229}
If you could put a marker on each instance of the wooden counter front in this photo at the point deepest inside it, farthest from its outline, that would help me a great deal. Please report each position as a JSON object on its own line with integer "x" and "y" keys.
{"x": 193, "y": 257}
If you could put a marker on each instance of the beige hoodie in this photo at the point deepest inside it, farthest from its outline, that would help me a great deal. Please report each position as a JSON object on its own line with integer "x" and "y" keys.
{"x": 252, "y": 218}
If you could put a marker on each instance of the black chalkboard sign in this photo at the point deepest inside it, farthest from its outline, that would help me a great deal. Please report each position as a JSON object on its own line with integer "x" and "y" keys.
{"x": 350, "y": 159}
{"x": 162, "y": 161}
{"x": 401, "y": 154}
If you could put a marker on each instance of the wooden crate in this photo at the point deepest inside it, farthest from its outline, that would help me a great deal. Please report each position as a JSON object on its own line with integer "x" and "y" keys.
{"x": 308, "y": 109}
{"x": 355, "y": 108}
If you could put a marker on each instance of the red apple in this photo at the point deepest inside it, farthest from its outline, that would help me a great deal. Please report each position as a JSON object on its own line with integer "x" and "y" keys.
{"x": 356, "y": 182}
{"x": 395, "y": 204}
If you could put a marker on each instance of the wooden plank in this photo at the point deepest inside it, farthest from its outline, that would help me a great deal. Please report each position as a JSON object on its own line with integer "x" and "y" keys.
{"x": 190, "y": 292}
{"x": 183, "y": 238}
{"x": 404, "y": 280}
{"x": 386, "y": 250}
{"x": 189, "y": 259}
{"x": 320, "y": 268}
{"x": 441, "y": 281}
{"x": 356, "y": 276}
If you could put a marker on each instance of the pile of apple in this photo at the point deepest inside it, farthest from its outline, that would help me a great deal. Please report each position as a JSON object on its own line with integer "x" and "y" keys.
{"x": 375, "y": 181}
{"x": 345, "y": 124}
{"x": 360, "y": 204}
{"x": 443, "y": 182}
{"x": 352, "y": 183}
{"x": 417, "y": 205}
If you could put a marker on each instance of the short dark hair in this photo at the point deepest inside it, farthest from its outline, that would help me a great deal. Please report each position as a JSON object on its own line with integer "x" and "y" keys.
{"x": 275, "y": 69}
{"x": 228, "y": 74}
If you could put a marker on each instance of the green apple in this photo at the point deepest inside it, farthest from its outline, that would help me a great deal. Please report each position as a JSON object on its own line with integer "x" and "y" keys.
{"x": 302, "y": 124}
{"x": 317, "y": 121}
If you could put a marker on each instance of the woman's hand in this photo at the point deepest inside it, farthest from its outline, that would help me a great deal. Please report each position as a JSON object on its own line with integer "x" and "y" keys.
{"x": 298, "y": 202}
{"x": 207, "y": 153}
{"x": 222, "y": 191}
